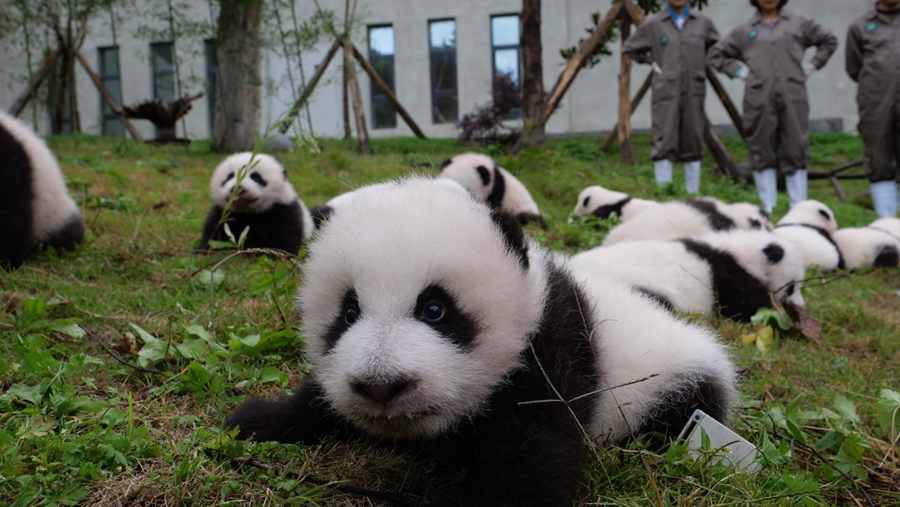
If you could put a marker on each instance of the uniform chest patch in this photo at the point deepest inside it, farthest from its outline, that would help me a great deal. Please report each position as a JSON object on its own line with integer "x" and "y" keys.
{"x": 871, "y": 26}
{"x": 753, "y": 35}
{"x": 664, "y": 40}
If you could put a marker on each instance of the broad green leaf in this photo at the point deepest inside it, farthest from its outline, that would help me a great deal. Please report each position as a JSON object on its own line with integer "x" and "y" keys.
{"x": 889, "y": 413}
{"x": 211, "y": 279}
{"x": 192, "y": 349}
{"x": 72, "y": 330}
{"x": 22, "y": 392}
{"x": 846, "y": 408}
{"x": 765, "y": 339}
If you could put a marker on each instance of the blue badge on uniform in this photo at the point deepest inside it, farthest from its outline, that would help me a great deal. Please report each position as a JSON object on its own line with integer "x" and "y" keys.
{"x": 872, "y": 26}
{"x": 664, "y": 40}
{"x": 753, "y": 34}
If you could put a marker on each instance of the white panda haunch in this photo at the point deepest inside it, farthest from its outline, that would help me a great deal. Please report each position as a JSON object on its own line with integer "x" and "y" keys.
{"x": 491, "y": 184}
{"x": 810, "y": 225}
{"x": 36, "y": 210}
{"x": 877, "y": 245}
{"x": 682, "y": 219}
{"x": 733, "y": 273}
{"x": 266, "y": 203}
{"x": 427, "y": 316}
{"x": 603, "y": 203}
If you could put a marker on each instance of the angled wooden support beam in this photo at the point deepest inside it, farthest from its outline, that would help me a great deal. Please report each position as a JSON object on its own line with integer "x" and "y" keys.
{"x": 35, "y": 84}
{"x": 635, "y": 103}
{"x": 359, "y": 115}
{"x": 386, "y": 90}
{"x": 625, "y": 91}
{"x": 104, "y": 93}
{"x": 730, "y": 108}
{"x": 310, "y": 87}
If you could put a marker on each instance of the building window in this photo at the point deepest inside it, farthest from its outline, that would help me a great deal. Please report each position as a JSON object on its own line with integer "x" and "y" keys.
{"x": 381, "y": 56}
{"x": 110, "y": 77}
{"x": 162, "y": 62}
{"x": 505, "y": 53}
{"x": 212, "y": 70}
{"x": 444, "y": 95}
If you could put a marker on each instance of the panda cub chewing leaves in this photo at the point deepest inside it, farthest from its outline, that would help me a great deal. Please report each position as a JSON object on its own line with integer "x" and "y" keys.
{"x": 259, "y": 198}
{"x": 428, "y": 316}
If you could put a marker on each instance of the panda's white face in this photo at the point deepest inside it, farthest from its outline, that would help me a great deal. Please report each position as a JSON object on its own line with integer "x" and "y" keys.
{"x": 415, "y": 308}
{"x": 594, "y": 197}
{"x": 474, "y": 172}
{"x": 263, "y": 183}
{"x": 748, "y": 216}
{"x": 811, "y": 213}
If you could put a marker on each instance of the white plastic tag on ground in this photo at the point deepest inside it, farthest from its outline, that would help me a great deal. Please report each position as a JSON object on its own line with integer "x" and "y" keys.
{"x": 737, "y": 451}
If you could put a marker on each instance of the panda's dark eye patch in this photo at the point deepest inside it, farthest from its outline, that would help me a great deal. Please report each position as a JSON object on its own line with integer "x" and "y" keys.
{"x": 484, "y": 174}
{"x": 437, "y": 308}
{"x": 348, "y": 314}
{"x": 586, "y": 201}
{"x": 258, "y": 179}
{"x": 228, "y": 178}
{"x": 791, "y": 289}
{"x": 755, "y": 224}
{"x": 825, "y": 214}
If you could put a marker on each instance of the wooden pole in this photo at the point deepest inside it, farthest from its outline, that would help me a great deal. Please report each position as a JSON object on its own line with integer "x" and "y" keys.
{"x": 345, "y": 96}
{"x": 107, "y": 97}
{"x": 725, "y": 164}
{"x": 379, "y": 83}
{"x": 578, "y": 60}
{"x": 625, "y": 93}
{"x": 635, "y": 103}
{"x": 307, "y": 91}
{"x": 732, "y": 110}
{"x": 35, "y": 84}
{"x": 362, "y": 130}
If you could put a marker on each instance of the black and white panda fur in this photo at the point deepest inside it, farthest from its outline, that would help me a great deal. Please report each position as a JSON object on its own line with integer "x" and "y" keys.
{"x": 429, "y": 317}
{"x": 265, "y": 202}
{"x": 494, "y": 185}
{"x": 36, "y": 210}
{"x": 877, "y": 245}
{"x": 733, "y": 273}
{"x": 682, "y": 219}
{"x": 810, "y": 225}
{"x": 604, "y": 203}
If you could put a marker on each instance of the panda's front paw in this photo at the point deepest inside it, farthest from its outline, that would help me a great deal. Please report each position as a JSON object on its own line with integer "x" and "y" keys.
{"x": 263, "y": 420}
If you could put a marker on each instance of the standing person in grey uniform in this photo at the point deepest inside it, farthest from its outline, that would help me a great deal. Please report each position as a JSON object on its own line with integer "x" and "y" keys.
{"x": 873, "y": 61}
{"x": 675, "y": 41}
{"x": 768, "y": 53}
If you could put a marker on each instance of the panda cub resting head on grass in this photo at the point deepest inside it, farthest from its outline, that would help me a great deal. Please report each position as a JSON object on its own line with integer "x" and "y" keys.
{"x": 36, "y": 210}
{"x": 252, "y": 192}
{"x": 428, "y": 316}
{"x": 491, "y": 184}
{"x": 811, "y": 226}
{"x": 604, "y": 203}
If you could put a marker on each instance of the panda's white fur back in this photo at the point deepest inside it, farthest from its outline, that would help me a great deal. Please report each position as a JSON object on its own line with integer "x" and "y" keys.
{"x": 463, "y": 169}
{"x": 52, "y": 206}
{"x": 595, "y": 196}
{"x": 638, "y": 339}
{"x": 669, "y": 220}
{"x": 888, "y": 225}
{"x": 517, "y": 198}
{"x": 862, "y": 246}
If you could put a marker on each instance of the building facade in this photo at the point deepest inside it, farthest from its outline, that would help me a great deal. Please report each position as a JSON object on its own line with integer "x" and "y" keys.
{"x": 440, "y": 58}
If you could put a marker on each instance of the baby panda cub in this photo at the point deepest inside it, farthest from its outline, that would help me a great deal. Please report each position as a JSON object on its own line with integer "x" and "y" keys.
{"x": 732, "y": 273}
{"x": 875, "y": 246}
{"x": 427, "y": 316}
{"x": 682, "y": 219}
{"x": 261, "y": 200}
{"x": 810, "y": 225}
{"x": 36, "y": 210}
{"x": 494, "y": 185}
{"x": 602, "y": 203}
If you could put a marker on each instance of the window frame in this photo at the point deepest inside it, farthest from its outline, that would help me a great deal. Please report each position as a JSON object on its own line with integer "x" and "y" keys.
{"x": 107, "y": 114}
{"x": 434, "y": 118}
{"x": 373, "y": 91}
{"x": 516, "y": 113}
{"x": 155, "y": 74}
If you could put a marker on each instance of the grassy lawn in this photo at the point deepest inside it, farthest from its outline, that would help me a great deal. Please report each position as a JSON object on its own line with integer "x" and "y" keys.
{"x": 120, "y": 361}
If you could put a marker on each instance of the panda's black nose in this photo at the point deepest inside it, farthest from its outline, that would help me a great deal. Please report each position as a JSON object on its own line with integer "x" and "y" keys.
{"x": 382, "y": 390}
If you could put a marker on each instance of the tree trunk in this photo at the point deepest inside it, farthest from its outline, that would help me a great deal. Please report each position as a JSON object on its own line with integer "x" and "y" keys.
{"x": 239, "y": 52}
{"x": 532, "y": 74}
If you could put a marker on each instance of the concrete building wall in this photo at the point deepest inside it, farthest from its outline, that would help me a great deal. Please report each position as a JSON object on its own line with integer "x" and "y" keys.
{"x": 589, "y": 106}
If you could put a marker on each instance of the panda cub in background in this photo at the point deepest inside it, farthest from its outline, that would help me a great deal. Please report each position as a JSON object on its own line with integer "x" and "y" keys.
{"x": 603, "y": 203}
{"x": 875, "y": 246}
{"x": 480, "y": 326}
{"x": 494, "y": 185}
{"x": 265, "y": 202}
{"x": 682, "y": 219}
{"x": 732, "y": 273}
{"x": 810, "y": 225}
{"x": 36, "y": 210}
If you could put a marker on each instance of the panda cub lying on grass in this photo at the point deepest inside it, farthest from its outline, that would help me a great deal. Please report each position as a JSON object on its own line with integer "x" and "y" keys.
{"x": 263, "y": 202}
{"x": 810, "y": 225}
{"x": 428, "y": 316}
{"x": 35, "y": 208}
{"x": 875, "y": 246}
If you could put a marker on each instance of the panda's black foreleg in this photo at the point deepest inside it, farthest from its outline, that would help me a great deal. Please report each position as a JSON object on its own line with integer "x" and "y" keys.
{"x": 525, "y": 464}
{"x": 70, "y": 235}
{"x": 209, "y": 228}
{"x": 304, "y": 417}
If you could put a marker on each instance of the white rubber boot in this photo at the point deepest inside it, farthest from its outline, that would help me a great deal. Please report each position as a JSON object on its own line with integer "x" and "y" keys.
{"x": 884, "y": 198}
{"x": 767, "y": 188}
{"x": 663, "y": 169}
{"x": 797, "y": 185}
{"x": 692, "y": 177}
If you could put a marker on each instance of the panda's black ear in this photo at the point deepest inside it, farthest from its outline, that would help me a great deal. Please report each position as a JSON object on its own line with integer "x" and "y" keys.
{"x": 485, "y": 174}
{"x": 774, "y": 252}
{"x": 824, "y": 214}
{"x": 446, "y": 163}
{"x": 513, "y": 236}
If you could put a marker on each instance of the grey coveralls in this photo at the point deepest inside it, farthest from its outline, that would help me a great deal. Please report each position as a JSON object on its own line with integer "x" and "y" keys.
{"x": 776, "y": 109}
{"x": 873, "y": 60}
{"x": 680, "y": 91}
